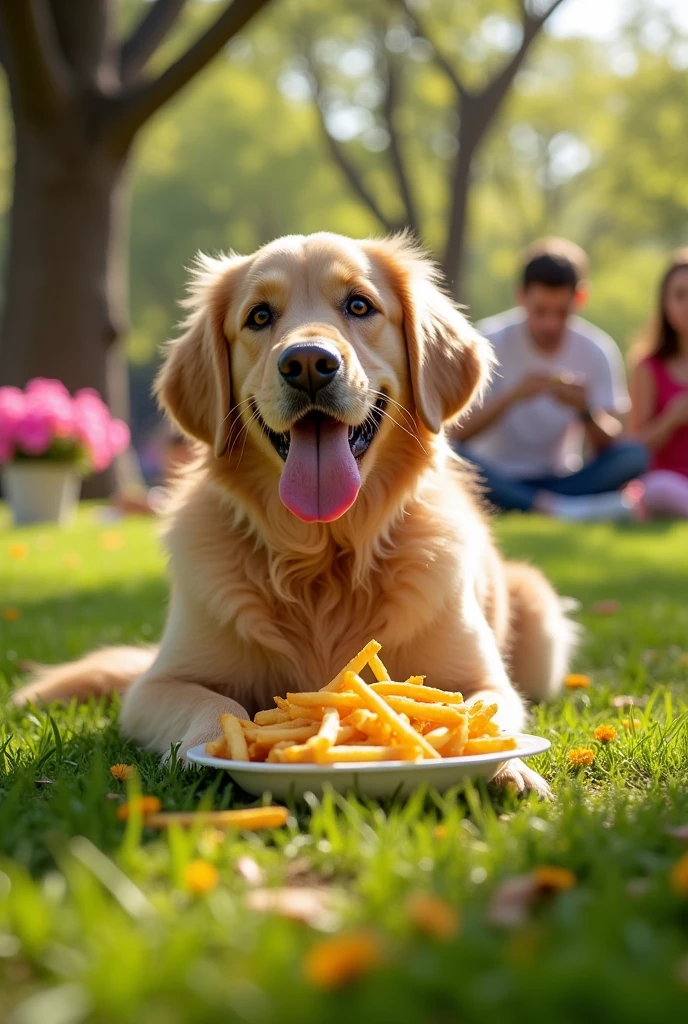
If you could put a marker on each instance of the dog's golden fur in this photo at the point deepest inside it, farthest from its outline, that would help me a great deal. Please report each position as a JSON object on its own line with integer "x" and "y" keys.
{"x": 262, "y": 602}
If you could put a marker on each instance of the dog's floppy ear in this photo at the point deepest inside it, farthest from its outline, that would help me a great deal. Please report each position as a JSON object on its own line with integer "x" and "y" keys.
{"x": 449, "y": 361}
{"x": 193, "y": 386}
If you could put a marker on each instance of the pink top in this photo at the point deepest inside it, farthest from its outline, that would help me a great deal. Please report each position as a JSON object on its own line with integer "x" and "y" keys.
{"x": 673, "y": 454}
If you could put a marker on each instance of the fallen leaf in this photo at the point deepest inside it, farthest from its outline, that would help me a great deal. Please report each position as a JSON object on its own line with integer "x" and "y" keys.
{"x": 250, "y": 871}
{"x": 609, "y": 607}
{"x": 681, "y": 971}
{"x": 432, "y": 915}
{"x": 513, "y": 898}
{"x": 638, "y": 886}
{"x": 511, "y": 901}
{"x": 678, "y": 832}
{"x": 313, "y": 907}
{"x": 626, "y": 700}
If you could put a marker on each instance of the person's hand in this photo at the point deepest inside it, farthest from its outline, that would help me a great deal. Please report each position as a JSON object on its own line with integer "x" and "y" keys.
{"x": 569, "y": 391}
{"x": 530, "y": 385}
{"x": 677, "y": 410}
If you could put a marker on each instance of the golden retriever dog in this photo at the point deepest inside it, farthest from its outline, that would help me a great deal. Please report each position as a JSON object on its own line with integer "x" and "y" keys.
{"x": 326, "y": 507}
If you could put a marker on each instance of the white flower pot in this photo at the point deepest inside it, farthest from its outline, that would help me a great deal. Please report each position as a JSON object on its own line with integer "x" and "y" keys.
{"x": 41, "y": 492}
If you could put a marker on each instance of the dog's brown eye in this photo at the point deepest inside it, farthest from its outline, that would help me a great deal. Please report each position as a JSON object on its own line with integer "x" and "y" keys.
{"x": 260, "y": 316}
{"x": 358, "y": 306}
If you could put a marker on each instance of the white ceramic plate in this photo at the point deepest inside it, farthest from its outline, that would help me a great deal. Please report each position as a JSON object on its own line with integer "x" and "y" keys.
{"x": 375, "y": 779}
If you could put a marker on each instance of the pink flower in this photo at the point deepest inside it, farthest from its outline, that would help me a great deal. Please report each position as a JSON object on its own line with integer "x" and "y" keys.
{"x": 34, "y": 433}
{"x": 46, "y": 386}
{"x": 94, "y": 432}
{"x": 119, "y": 437}
{"x": 12, "y": 405}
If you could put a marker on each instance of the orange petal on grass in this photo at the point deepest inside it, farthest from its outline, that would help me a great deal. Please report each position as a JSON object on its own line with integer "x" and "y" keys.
{"x": 111, "y": 540}
{"x": 122, "y": 772}
{"x": 550, "y": 878}
{"x": 605, "y": 733}
{"x": 576, "y": 681}
{"x": 200, "y": 876}
{"x": 18, "y": 551}
{"x": 342, "y": 959}
{"x": 581, "y": 756}
{"x": 433, "y": 915}
{"x": 609, "y": 607}
{"x": 440, "y": 832}
{"x": 143, "y": 804}
{"x": 11, "y": 614}
{"x": 678, "y": 876}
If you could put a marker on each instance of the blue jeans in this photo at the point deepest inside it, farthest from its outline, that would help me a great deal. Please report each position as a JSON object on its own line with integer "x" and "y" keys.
{"x": 620, "y": 462}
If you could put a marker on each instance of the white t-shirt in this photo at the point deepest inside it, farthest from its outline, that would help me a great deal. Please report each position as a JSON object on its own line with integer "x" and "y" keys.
{"x": 540, "y": 436}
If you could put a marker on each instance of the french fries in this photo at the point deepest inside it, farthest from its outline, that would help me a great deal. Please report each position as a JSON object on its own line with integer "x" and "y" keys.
{"x": 350, "y": 721}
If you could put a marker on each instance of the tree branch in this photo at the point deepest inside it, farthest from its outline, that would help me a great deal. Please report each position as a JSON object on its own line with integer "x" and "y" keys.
{"x": 36, "y": 66}
{"x": 139, "y": 103}
{"x": 490, "y": 97}
{"x": 338, "y": 154}
{"x": 441, "y": 60}
{"x": 389, "y": 111}
{"x": 145, "y": 39}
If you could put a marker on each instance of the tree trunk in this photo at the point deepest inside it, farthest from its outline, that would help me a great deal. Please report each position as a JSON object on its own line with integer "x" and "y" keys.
{"x": 453, "y": 262}
{"x": 473, "y": 125}
{"x": 65, "y": 296}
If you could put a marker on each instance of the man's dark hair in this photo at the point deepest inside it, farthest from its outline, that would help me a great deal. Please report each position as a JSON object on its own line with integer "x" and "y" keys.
{"x": 555, "y": 263}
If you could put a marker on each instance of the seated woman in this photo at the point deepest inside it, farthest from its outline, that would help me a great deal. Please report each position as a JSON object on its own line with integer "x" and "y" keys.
{"x": 659, "y": 389}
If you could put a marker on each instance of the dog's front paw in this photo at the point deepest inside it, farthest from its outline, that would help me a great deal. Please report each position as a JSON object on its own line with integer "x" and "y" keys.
{"x": 517, "y": 776}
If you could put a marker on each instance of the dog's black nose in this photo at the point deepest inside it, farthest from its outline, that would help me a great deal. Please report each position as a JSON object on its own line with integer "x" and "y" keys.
{"x": 309, "y": 366}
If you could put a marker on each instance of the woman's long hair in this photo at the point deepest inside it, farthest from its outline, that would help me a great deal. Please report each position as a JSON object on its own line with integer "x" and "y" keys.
{"x": 661, "y": 340}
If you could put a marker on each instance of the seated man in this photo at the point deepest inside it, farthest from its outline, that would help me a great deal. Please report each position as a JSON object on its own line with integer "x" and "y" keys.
{"x": 558, "y": 392}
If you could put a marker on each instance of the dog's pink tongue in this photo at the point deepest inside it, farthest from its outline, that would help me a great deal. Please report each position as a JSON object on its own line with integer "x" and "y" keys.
{"x": 320, "y": 480}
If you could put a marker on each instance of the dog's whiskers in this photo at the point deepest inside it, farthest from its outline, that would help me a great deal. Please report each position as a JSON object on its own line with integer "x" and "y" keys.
{"x": 243, "y": 430}
{"x": 402, "y": 408}
{"x": 410, "y": 433}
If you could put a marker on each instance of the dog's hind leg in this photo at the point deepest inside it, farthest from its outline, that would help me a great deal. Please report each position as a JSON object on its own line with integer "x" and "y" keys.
{"x": 543, "y": 638}
{"x": 99, "y": 674}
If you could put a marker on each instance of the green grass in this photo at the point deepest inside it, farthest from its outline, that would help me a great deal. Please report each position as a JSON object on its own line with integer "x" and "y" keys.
{"x": 96, "y": 923}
